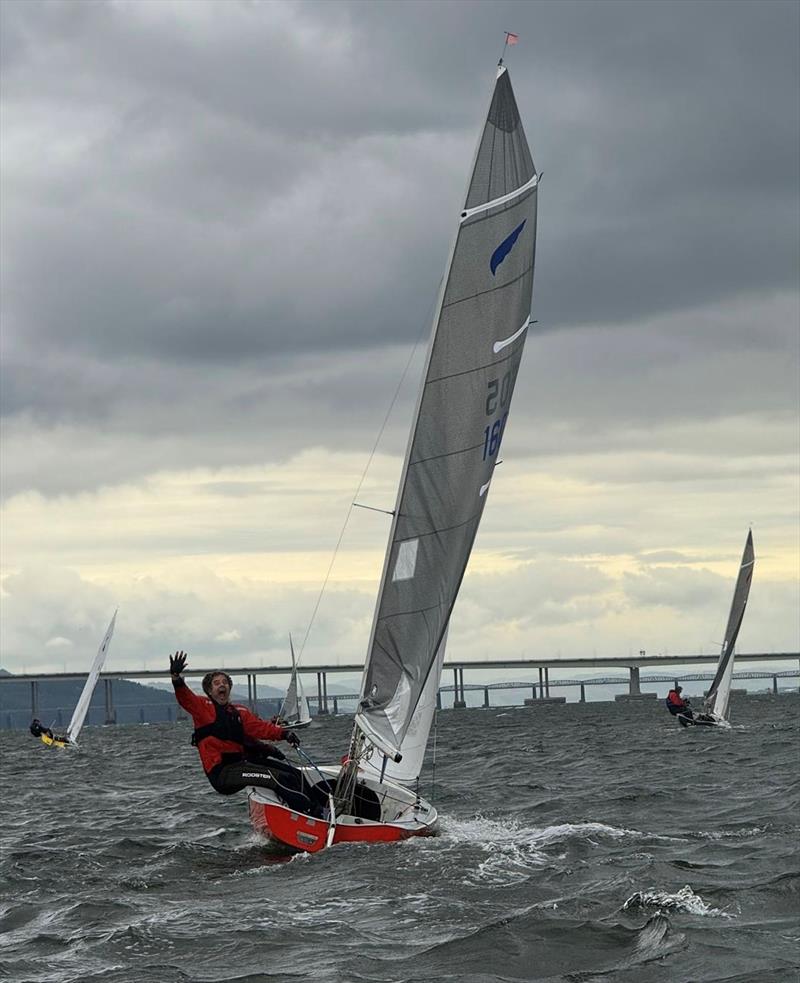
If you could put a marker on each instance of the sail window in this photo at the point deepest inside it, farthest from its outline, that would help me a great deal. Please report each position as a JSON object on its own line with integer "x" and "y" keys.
{"x": 406, "y": 562}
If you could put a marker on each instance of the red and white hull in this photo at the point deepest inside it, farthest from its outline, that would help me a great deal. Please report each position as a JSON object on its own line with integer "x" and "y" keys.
{"x": 402, "y": 815}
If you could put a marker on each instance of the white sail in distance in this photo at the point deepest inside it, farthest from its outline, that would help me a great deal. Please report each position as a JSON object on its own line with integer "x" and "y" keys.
{"x": 473, "y": 358}
{"x": 718, "y": 696}
{"x": 295, "y": 705}
{"x": 82, "y": 706}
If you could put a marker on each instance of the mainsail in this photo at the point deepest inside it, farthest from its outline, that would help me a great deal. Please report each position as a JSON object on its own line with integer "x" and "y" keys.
{"x": 473, "y": 358}
{"x": 716, "y": 701}
{"x": 295, "y": 705}
{"x": 82, "y": 706}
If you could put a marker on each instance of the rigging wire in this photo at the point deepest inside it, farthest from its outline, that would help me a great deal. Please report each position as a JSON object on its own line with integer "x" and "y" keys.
{"x": 425, "y": 322}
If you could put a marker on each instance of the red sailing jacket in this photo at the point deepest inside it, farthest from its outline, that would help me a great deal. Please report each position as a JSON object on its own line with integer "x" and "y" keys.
{"x": 213, "y": 750}
{"x": 675, "y": 699}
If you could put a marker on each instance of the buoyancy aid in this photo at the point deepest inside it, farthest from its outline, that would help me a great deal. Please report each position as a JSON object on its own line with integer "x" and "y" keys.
{"x": 227, "y": 726}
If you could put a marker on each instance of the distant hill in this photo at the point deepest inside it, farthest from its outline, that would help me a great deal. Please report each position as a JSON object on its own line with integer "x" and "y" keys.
{"x": 133, "y": 702}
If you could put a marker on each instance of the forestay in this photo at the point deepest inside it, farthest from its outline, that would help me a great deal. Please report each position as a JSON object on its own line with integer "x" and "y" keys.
{"x": 473, "y": 359}
{"x": 82, "y": 706}
{"x": 716, "y": 701}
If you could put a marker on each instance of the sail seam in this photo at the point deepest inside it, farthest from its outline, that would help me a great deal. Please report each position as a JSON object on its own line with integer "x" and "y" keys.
{"x": 479, "y": 368}
{"x": 441, "y": 457}
{"x": 441, "y": 529}
{"x": 491, "y": 290}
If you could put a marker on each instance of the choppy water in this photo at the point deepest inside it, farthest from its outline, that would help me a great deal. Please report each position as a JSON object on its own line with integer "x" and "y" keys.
{"x": 579, "y": 843}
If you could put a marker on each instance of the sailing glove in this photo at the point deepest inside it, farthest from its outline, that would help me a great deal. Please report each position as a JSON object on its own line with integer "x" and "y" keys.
{"x": 291, "y": 738}
{"x": 177, "y": 663}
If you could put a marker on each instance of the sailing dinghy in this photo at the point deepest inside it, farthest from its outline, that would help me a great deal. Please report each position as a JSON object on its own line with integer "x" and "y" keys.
{"x": 70, "y": 738}
{"x": 715, "y": 705}
{"x": 294, "y": 713}
{"x": 473, "y": 357}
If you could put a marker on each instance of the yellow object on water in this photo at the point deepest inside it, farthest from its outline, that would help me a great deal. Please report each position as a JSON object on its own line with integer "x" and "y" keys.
{"x": 52, "y": 741}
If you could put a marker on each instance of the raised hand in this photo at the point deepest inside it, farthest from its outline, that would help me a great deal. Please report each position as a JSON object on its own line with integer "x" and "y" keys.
{"x": 177, "y": 663}
{"x": 291, "y": 738}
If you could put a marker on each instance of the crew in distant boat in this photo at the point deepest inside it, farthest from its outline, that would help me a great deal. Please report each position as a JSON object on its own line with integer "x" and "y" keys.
{"x": 676, "y": 704}
{"x": 38, "y": 729}
{"x": 232, "y": 743}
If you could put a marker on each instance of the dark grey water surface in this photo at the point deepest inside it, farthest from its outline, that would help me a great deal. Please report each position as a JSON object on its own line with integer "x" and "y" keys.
{"x": 582, "y": 842}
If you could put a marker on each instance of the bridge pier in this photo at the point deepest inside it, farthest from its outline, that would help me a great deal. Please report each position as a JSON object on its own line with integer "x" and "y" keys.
{"x": 322, "y": 693}
{"x": 486, "y": 696}
{"x": 541, "y": 683}
{"x": 547, "y": 682}
{"x": 335, "y": 706}
{"x": 459, "y": 703}
{"x": 583, "y": 693}
{"x": 111, "y": 713}
{"x": 529, "y": 701}
{"x": 634, "y": 690}
{"x": 774, "y": 685}
{"x": 438, "y": 699}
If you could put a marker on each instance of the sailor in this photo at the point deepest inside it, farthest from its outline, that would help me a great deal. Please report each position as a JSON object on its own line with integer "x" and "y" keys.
{"x": 232, "y": 743}
{"x": 37, "y": 728}
{"x": 676, "y": 704}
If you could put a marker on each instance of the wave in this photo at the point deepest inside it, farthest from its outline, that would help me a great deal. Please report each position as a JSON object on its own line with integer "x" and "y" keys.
{"x": 732, "y": 834}
{"x": 684, "y": 900}
{"x": 650, "y": 939}
{"x": 492, "y": 832}
{"x": 512, "y": 851}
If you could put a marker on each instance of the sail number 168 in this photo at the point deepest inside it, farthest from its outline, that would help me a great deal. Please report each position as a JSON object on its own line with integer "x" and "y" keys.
{"x": 497, "y": 397}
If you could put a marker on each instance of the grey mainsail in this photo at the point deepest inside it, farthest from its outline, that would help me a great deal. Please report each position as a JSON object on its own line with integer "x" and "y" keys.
{"x": 716, "y": 700}
{"x": 473, "y": 359}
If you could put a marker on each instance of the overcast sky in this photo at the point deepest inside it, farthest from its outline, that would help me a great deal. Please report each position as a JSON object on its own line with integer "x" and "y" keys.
{"x": 223, "y": 228}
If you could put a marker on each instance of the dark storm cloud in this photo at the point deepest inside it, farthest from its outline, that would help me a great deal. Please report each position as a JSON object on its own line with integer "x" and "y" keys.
{"x": 197, "y": 194}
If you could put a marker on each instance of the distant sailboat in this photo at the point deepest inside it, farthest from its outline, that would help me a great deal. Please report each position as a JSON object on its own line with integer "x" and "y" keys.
{"x": 474, "y": 355}
{"x": 715, "y": 704}
{"x": 70, "y": 738}
{"x": 294, "y": 712}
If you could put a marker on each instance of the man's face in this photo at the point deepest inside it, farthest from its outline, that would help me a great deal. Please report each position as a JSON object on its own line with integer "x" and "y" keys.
{"x": 220, "y": 689}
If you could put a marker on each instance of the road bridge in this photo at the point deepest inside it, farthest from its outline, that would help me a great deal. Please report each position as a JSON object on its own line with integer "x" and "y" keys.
{"x": 326, "y": 704}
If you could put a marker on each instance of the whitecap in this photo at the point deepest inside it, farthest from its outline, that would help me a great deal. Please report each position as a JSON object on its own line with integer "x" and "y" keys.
{"x": 513, "y": 851}
{"x": 683, "y": 900}
{"x": 733, "y": 834}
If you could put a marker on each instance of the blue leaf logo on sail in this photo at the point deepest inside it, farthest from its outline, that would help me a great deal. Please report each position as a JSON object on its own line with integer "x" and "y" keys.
{"x": 505, "y": 248}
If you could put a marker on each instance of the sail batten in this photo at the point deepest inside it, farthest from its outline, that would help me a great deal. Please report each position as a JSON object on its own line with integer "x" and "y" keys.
{"x": 459, "y": 423}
